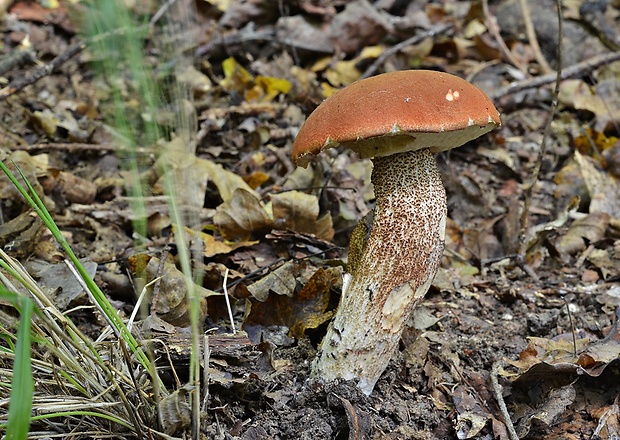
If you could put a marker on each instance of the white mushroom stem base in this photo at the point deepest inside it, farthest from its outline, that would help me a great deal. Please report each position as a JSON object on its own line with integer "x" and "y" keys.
{"x": 396, "y": 268}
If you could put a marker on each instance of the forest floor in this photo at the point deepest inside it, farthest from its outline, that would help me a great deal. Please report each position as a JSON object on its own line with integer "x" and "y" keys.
{"x": 523, "y": 312}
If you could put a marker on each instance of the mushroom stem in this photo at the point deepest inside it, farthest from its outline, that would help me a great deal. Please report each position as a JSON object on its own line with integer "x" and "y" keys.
{"x": 397, "y": 266}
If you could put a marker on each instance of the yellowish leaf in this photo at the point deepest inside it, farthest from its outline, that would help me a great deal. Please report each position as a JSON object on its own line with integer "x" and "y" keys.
{"x": 343, "y": 74}
{"x": 272, "y": 86}
{"x": 235, "y": 76}
{"x": 328, "y": 90}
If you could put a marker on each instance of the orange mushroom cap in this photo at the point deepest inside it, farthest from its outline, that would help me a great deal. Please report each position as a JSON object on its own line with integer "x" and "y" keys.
{"x": 397, "y": 112}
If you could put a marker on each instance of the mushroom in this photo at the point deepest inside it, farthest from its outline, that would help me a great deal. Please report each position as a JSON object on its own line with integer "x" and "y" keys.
{"x": 400, "y": 119}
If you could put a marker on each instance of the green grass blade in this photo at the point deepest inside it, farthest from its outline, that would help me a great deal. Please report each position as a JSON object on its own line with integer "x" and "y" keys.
{"x": 22, "y": 384}
{"x": 37, "y": 204}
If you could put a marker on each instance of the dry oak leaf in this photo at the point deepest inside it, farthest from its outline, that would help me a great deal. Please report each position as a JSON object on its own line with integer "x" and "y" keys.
{"x": 602, "y": 100}
{"x": 281, "y": 281}
{"x": 301, "y": 310}
{"x": 243, "y": 214}
{"x": 171, "y": 302}
{"x": 299, "y": 212}
{"x": 190, "y": 175}
{"x": 213, "y": 245}
{"x": 608, "y": 263}
{"x": 471, "y": 416}
{"x": 603, "y": 187}
{"x": 359, "y": 25}
{"x": 583, "y": 231}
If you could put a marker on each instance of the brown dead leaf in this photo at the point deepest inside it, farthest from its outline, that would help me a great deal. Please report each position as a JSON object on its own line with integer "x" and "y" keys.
{"x": 602, "y": 99}
{"x": 301, "y": 34}
{"x": 609, "y": 421}
{"x": 312, "y": 301}
{"x": 559, "y": 350}
{"x": 180, "y": 169}
{"x": 46, "y": 121}
{"x": 225, "y": 181}
{"x": 59, "y": 282}
{"x": 19, "y": 236}
{"x": 190, "y": 175}
{"x": 552, "y": 379}
{"x": 170, "y": 301}
{"x": 36, "y": 12}
{"x": 471, "y": 416}
{"x": 303, "y": 310}
{"x": 254, "y": 258}
{"x": 611, "y": 159}
{"x": 77, "y": 189}
{"x": 281, "y": 281}
{"x": 604, "y": 189}
{"x": 606, "y": 262}
{"x": 359, "y": 25}
{"x": 539, "y": 233}
{"x": 583, "y": 231}
{"x": 549, "y": 411}
{"x": 570, "y": 183}
{"x": 243, "y": 214}
{"x": 299, "y": 212}
{"x": 237, "y": 14}
{"x": 416, "y": 347}
{"x": 598, "y": 355}
{"x": 29, "y": 166}
{"x": 194, "y": 80}
{"x": 214, "y": 246}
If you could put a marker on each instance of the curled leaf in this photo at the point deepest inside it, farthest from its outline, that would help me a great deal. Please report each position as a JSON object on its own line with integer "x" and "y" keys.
{"x": 243, "y": 214}
{"x": 299, "y": 212}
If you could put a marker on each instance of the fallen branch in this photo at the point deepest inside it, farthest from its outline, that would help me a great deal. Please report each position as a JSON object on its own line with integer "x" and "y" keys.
{"x": 22, "y": 81}
{"x": 529, "y": 190}
{"x": 491, "y": 24}
{"x": 533, "y": 39}
{"x": 573, "y": 71}
{"x": 497, "y": 390}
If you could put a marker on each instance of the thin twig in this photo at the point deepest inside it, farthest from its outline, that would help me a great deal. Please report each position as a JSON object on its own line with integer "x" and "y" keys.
{"x": 69, "y": 147}
{"x": 438, "y": 30}
{"x": 497, "y": 389}
{"x": 491, "y": 23}
{"x": 160, "y": 13}
{"x": 23, "y": 81}
{"x": 575, "y": 70}
{"x": 614, "y": 328}
{"x": 47, "y": 69}
{"x": 242, "y": 36}
{"x": 533, "y": 39}
{"x": 271, "y": 266}
{"x": 77, "y": 147}
{"x": 524, "y": 221}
